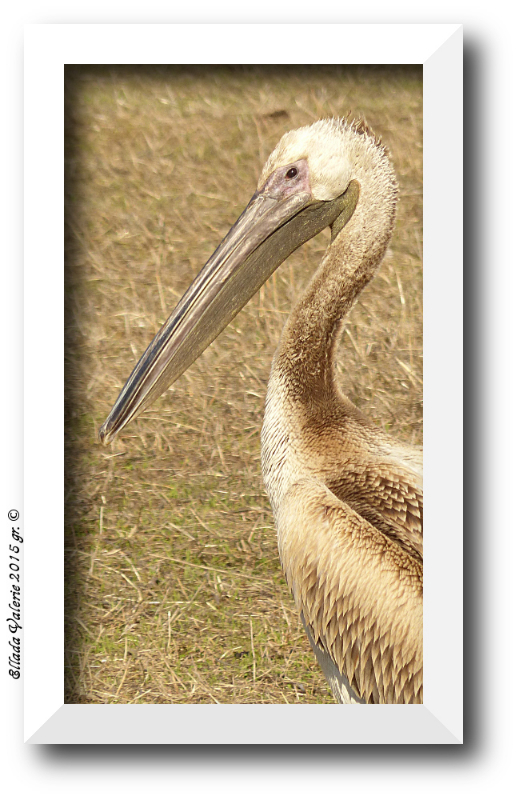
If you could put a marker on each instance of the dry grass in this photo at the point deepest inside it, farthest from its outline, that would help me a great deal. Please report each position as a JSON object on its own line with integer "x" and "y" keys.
{"x": 174, "y": 589}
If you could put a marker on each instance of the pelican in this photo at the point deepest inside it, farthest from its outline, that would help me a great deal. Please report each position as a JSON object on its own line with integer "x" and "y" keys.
{"x": 346, "y": 498}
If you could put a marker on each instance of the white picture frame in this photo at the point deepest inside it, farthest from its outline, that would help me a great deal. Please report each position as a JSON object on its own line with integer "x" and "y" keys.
{"x": 46, "y": 719}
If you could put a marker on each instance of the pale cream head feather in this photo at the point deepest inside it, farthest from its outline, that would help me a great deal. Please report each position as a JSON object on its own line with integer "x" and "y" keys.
{"x": 333, "y": 153}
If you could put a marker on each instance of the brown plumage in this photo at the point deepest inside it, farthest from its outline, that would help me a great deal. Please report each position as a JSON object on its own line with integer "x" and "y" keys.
{"x": 347, "y": 499}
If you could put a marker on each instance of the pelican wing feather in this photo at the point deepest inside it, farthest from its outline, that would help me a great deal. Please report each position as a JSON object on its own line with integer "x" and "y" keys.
{"x": 359, "y": 592}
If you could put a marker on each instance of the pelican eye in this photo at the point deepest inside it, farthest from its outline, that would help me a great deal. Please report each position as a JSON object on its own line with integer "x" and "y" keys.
{"x": 291, "y": 173}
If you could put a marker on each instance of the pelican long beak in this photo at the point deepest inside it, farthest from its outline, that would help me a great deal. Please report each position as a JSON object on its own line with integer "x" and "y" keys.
{"x": 268, "y": 230}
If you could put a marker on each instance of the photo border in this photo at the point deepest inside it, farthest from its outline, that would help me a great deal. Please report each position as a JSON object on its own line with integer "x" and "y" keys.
{"x": 47, "y": 49}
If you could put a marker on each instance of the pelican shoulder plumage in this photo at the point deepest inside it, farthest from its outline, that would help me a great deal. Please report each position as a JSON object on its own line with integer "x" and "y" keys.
{"x": 347, "y": 499}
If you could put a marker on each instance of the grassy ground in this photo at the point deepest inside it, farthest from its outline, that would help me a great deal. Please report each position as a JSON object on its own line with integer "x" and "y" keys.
{"x": 174, "y": 592}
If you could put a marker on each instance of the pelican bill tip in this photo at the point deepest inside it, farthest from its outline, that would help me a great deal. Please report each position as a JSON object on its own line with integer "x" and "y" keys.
{"x": 105, "y": 436}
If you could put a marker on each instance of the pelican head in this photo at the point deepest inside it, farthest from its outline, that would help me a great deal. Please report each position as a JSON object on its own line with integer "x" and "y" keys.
{"x": 325, "y": 149}
{"x": 307, "y": 184}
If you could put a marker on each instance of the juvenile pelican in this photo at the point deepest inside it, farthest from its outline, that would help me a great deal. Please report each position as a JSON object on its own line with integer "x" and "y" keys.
{"x": 346, "y": 498}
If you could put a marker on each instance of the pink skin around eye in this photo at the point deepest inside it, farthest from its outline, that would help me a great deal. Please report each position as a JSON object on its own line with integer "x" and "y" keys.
{"x": 280, "y": 186}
